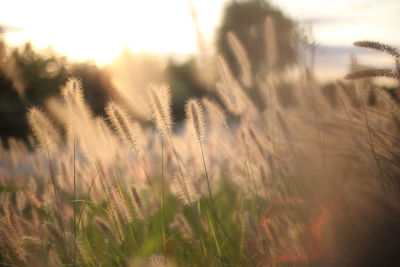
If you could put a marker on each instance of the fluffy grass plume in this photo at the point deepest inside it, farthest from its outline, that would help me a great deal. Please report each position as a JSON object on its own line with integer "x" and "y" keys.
{"x": 160, "y": 100}
{"x": 195, "y": 119}
{"x": 229, "y": 89}
{"x": 183, "y": 189}
{"x": 126, "y": 129}
{"x": 388, "y": 73}
{"x": 118, "y": 204}
{"x": 379, "y": 47}
{"x": 306, "y": 184}
{"x": 377, "y": 72}
{"x": 73, "y": 96}
{"x": 43, "y": 129}
{"x": 242, "y": 59}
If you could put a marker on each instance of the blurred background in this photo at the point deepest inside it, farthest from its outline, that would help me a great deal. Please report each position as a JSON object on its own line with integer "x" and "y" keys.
{"x": 117, "y": 48}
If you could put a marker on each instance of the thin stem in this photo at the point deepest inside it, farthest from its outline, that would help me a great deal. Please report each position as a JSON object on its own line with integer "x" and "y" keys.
{"x": 214, "y": 212}
{"x": 74, "y": 157}
{"x": 162, "y": 194}
{"x": 57, "y": 200}
{"x": 190, "y": 200}
{"x": 146, "y": 174}
{"x": 108, "y": 201}
{"x": 205, "y": 170}
{"x": 214, "y": 235}
{"x": 86, "y": 198}
{"x": 179, "y": 166}
{"x": 371, "y": 144}
{"x": 369, "y": 131}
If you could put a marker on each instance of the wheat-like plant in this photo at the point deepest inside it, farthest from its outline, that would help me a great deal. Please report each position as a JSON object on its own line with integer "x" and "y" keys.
{"x": 242, "y": 59}
{"x": 126, "y": 129}
{"x": 43, "y": 129}
{"x": 195, "y": 116}
{"x": 160, "y": 101}
{"x": 381, "y": 72}
{"x": 118, "y": 204}
{"x": 248, "y": 186}
{"x": 379, "y": 47}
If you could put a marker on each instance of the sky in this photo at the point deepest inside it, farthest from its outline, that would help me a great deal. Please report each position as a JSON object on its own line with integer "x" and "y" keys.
{"x": 100, "y": 29}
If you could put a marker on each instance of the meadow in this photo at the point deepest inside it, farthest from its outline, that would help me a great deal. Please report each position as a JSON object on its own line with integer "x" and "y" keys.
{"x": 261, "y": 175}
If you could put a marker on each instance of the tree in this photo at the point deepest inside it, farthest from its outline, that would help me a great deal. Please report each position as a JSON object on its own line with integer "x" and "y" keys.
{"x": 246, "y": 19}
{"x": 29, "y": 78}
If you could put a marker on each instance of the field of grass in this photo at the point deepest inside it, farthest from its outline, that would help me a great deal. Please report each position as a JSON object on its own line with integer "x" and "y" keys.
{"x": 262, "y": 175}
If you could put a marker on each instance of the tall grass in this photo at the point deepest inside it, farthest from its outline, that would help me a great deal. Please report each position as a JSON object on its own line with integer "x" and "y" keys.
{"x": 278, "y": 184}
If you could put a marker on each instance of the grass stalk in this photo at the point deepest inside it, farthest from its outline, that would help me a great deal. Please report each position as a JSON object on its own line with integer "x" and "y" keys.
{"x": 206, "y": 172}
{"x": 162, "y": 195}
{"x": 108, "y": 201}
{"x": 74, "y": 203}
{"x": 57, "y": 200}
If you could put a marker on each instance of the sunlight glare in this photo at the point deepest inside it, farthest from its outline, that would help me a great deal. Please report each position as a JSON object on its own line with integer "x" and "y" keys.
{"x": 99, "y": 30}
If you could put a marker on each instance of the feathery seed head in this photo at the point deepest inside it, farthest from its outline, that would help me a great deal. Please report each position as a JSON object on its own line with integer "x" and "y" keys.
{"x": 379, "y": 46}
{"x": 242, "y": 58}
{"x": 160, "y": 101}
{"x": 373, "y": 73}
{"x": 72, "y": 92}
{"x": 224, "y": 71}
{"x": 125, "y": 128}
{"x": 183, "y": 189}
{"x": 79, "y": 114}
{"x": 43, "y": 129}
{"x": 118, "y": 204}
{"x": 194, "y": 115}
{"x": 229, "y": 89}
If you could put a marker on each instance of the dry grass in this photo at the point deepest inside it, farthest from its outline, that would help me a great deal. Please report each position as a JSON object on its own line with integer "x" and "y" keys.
{"x": 287, "y": 185}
